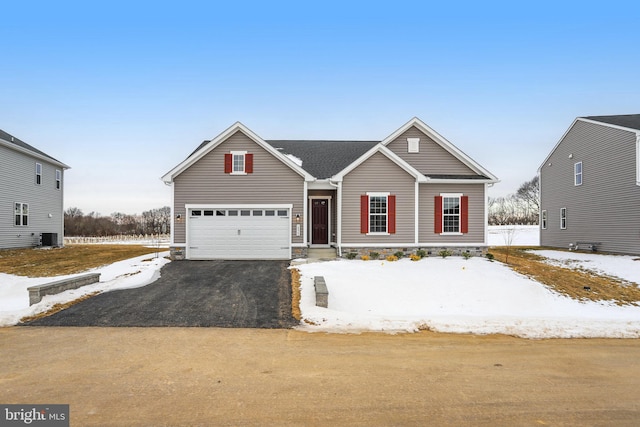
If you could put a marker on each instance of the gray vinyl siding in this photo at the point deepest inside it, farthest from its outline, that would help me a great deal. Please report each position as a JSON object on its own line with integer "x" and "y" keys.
{"x": 606, "y": 207}
{"x": 432, "y": 158}
{"x": 378, "y": 174}
{"x": 476, "y": 194}
{"x": 272, "y": 182}
{"x": 18, "y": 184}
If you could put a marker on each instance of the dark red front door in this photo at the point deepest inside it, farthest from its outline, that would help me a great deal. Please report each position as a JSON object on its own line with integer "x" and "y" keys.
{"x": 320, "y": 222}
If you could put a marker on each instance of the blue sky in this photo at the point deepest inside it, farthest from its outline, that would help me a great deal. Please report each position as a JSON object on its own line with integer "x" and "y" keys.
{"x": 123, "y": 91}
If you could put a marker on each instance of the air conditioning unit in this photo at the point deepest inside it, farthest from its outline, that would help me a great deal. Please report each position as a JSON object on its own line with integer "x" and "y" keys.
{"x": 49, "y": 239}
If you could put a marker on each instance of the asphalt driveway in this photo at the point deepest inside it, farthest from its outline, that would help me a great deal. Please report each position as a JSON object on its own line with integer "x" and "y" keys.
{"x": 234, "y": 294}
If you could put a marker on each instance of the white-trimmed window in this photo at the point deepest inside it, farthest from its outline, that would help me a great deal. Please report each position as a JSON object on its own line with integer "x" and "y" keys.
{"x": 543, "y": 219}
{"x": 451, "y": 213}
{"x": 237, "y": 165}
{"x": 58, "y": 179}
{"x": 378, "y": 212}
{"x": 413, "y": 145}
{"x": 563, "y": 218}
{"x": 38, "y": 173}
{"x": 21, "y": 214}
{"x": 577, "y": 173}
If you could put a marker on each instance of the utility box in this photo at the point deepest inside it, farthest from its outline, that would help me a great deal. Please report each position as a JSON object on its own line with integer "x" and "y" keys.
{"x": 49, "y": 239}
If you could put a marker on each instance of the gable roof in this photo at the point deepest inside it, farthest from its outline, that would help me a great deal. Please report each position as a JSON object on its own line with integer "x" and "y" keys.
{"x": 445, "y": 144}
{"x": 379, "y": 148}
{"x": 208, "y": 146}
{"x": 631, "y": 121}
{"x": 323, "y": 159}
{"x": 19, "y": 145}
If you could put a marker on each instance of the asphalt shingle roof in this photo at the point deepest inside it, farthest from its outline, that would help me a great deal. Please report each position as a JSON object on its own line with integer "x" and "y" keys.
{"x": 628, "y": 120}
{"x": 323, "y": 159}
{"x": 13, "y": 140}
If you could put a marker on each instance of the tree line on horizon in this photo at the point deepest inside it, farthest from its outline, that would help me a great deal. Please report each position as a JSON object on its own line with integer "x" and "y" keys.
{"x": 520, "y": 208}
{"x": 154, "y": 221}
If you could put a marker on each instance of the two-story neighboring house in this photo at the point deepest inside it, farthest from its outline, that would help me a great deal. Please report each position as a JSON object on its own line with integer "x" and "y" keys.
{"x": 590, "y": 186}
{"x": 31, "y": 195}
{"x": 239, "y": 196}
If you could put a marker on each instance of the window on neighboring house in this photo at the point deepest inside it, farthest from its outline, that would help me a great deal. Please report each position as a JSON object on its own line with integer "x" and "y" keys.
{"x": 451, "y": 214}
{"x": 21, "y": 214}
{"x": 38, "y": 173}
{"x": 577, "y": 173}
{"x": 543, "y": 219}
{"x": 58, "y": 179}
{"x": 413, "y": 145}
{"x": 238, "y": 163}
{"x": 378, "y": 213}
{"x": 563, "y": 218}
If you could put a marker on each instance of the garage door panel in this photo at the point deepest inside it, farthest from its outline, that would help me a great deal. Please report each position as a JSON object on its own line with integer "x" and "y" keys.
{"x": 239, "y": 237}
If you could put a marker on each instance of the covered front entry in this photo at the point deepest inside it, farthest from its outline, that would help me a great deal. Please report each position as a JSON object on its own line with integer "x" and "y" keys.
{"x": 242, "y": 232}
{"x": 320, "y": 213}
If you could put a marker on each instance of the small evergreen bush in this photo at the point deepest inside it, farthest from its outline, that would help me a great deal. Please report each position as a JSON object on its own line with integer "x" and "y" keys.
{"x": 444, "y": 253}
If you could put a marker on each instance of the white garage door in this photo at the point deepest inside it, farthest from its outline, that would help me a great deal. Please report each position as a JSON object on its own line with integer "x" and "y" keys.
{"x": 238, "y": 233}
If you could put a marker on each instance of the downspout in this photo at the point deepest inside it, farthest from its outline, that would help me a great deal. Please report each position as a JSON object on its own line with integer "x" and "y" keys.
{"x": 417, "y": 214}
{"x": 338, "y": 188}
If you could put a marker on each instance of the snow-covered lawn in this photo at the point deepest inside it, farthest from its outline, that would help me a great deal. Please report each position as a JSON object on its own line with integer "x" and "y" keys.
{"x": 131, "y": 273}
{"x": 457, "y": 295}
{"x": 447, "y": 295}
{"x": 518, "y": 235}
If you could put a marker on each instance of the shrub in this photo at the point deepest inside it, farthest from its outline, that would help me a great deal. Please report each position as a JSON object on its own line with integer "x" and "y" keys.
{"x": 399, "y": 254}
{"x": 466, "y": 255}
{"x": 415, "y": 257}
{"x": 351, "y": 255}
{"x": 489, "y": 256}
{"x": 365, "y": 258}
{"x": 421, "y": 253}
{"x": 444, "y": 253}
{"x": 392, "y": 258}
{"x": 374, "y": 255}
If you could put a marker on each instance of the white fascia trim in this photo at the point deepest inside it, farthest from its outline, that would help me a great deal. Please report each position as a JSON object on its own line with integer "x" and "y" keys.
{"x": 33, "y": 154}
{"x": 638, "y": 158}
{"x": 239, "y": 206}
{"x": 460, "y": 181}
{"x": 379, "y": 148}
{"x": 320, "y": 184}
{"x": 443, "y": 142}
{"x": 237, "y": 126}
{"x": 583, "y": 119}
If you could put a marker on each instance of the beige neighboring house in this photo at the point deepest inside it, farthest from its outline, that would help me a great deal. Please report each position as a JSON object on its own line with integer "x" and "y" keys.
{"x": 31, "y": 195}
{"x": 239, "y": 196}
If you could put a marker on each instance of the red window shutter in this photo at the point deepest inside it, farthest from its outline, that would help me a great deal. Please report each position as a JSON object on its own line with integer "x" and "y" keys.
{"x": 364, "y": 214}
{"x": 391, "y": 213}
{"x": 464, "y": 214}
{"x": 228, "y": 163}
{"x": 248, "y": 163}
{"x": 437, "y": 226}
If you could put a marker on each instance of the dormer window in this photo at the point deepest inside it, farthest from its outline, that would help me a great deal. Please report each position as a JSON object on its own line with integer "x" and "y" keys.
{"x": 413, "y": 145}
